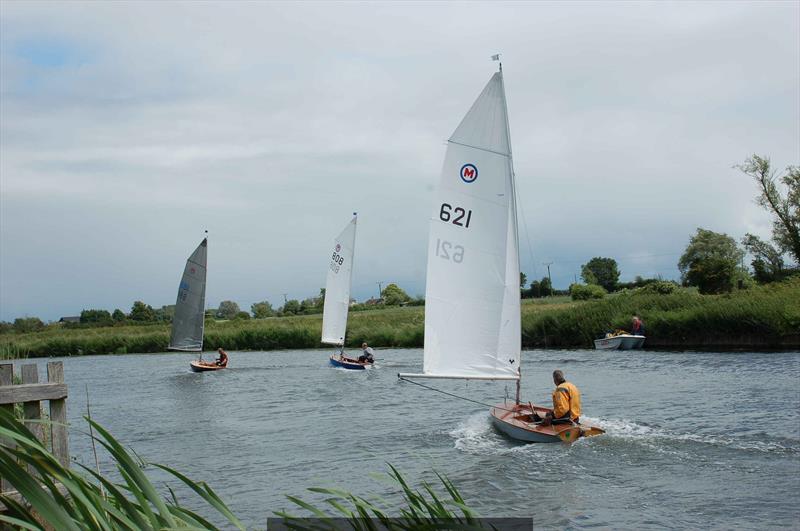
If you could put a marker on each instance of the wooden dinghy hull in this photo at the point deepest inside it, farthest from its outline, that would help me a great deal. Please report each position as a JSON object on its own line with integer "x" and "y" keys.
{"x": 515, "y": 421}
{"x": 201, "y": 366}
{"x": 349, "y": 363}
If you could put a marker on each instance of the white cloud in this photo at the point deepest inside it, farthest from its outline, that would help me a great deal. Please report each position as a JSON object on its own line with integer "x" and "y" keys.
{"x": 269, "y": 123}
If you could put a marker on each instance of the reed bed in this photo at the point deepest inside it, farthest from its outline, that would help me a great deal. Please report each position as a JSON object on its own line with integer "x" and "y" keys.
{"x": 760, "y": 317}
{"x": 79, "y": 498}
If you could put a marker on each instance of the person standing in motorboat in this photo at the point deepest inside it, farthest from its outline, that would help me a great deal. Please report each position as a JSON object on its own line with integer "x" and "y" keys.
{"x": 637, "y": 328}
{"x": 368, "y": 355}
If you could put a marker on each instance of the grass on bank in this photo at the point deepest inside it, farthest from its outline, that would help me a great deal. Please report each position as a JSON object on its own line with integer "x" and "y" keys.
{"x": 59, "y": 497}
{"x": 764, "y": 315}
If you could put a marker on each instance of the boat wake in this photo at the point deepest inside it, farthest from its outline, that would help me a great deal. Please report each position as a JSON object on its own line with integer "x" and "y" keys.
{"x": 475, "y": 435}
{"x": 664, "y": 439}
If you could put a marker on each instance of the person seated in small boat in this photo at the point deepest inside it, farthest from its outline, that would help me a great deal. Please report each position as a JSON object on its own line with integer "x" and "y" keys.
{"x": 566, "y": 402}
{"x": 367, "y": 356}
{"x": 222, "y": 361}
{"x": 637, "y": 328}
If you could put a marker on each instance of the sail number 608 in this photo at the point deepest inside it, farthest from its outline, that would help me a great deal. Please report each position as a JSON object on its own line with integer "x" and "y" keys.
{"x": 336, "y": 262}
{"x": 457, "y": 214}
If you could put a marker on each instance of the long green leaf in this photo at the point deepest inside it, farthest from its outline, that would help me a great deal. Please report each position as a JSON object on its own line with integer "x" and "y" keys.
{"x": 207, "y": 494}
{"x": 134, "y": 474}
{"x": 33, "y": 492}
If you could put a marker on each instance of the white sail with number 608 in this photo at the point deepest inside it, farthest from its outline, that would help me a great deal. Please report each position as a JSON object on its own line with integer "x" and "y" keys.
{"x": 337, "y": 286}
{"x": 472, "y": 299}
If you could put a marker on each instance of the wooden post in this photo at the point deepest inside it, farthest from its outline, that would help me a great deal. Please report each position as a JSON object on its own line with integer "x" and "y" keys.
{"x": 32, "y": 411}
{"x": 7, "y": 378}
{"x": 58, "y": 416}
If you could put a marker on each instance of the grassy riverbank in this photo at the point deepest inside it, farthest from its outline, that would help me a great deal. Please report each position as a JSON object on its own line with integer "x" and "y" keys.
{"x": 763, "y": 317}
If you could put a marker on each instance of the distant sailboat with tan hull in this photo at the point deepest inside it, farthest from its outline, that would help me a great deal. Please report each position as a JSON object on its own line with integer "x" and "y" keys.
{"x": 188, "y": 323}
{"x": 472, "y": 298}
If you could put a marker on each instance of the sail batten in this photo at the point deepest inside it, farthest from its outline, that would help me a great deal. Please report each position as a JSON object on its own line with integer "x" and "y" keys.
{"x": 337, "y": 286}
{"x": 189, "y": 318}
{"x": 472, "y": 327}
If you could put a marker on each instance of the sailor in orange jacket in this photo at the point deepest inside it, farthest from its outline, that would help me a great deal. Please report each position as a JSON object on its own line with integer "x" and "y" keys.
{"x": 566, "y": 401}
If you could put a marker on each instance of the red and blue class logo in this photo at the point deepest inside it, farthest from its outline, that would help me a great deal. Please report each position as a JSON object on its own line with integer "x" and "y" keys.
{"x": 469, "y": 173}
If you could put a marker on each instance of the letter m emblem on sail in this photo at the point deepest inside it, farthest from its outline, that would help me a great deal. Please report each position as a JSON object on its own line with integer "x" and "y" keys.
{"x": 469, "y": 173}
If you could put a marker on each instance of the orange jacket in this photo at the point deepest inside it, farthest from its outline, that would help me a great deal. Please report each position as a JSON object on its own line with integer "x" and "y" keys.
{"x": 566, "y": 397}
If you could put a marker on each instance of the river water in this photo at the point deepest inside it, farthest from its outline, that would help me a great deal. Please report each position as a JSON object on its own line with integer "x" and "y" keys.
{"x": 694, "y": 440}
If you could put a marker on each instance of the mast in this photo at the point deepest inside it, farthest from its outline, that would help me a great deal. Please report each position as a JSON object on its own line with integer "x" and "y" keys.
{"x": 203, "y": 319}
{"x": 514, "y": 204}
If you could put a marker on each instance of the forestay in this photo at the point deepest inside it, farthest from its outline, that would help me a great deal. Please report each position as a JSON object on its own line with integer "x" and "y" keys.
{"x": 337, "y": 287}
{"x": 187, "y": 323}
{"x": 472, "y": 298}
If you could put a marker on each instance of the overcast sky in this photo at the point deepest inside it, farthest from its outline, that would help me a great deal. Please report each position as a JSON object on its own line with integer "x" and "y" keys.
{"x": 126, "y": 129}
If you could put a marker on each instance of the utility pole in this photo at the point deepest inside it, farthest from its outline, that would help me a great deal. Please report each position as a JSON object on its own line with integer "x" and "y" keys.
{"x": 284, "y": 298}
{"x": 548, "y": 264}
{"x": 380, "y": 289}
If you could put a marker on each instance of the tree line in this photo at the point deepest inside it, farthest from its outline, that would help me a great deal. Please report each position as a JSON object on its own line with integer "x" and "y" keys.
{"x": 142, "y": 313}
{"x": 713, "y": 262}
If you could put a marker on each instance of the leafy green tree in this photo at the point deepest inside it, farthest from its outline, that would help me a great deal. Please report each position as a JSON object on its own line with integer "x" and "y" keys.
{"x": 291, "y": 307}
{"x": 95, "y": 317}
{"x": 785, "y": 210}
{"x": 142, "y": 312}
{"x": 541, "y": 288}
{"x": 768, "y": 265}
{"x": 227, "y": 310}
{"x": 601, "y": 271}
{"x": 28, "y": 324}
{"x": 321, "y": 298}
{"x": 119, "y": 316}
{"x": 714, "y": 274}
{"x": 242, "y": 316}
{"x": 523, "y": 280}
{"x": 393, "y": 295}
{"x": 546, "y": 287}
{"x": 262, "y": 310}
{"x": 535, "y": 290}
{"x": 711, "y": 262}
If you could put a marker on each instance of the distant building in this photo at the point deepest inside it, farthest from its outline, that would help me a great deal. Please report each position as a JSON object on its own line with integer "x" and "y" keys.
{"x": 72, "y": 319}
{"x": 373, "y": 302}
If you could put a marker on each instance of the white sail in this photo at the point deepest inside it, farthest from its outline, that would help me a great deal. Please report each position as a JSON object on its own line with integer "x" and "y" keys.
{"x": 187, "y": 323}
{"x": 337, "y": 287}
{"x": 472, "y": 299}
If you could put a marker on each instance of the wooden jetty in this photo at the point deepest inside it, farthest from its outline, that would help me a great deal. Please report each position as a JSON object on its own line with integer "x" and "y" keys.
{"x": 31, "y": 393}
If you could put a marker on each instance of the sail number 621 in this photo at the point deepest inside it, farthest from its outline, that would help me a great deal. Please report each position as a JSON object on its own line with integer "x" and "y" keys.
{"x": 458, "y": 215}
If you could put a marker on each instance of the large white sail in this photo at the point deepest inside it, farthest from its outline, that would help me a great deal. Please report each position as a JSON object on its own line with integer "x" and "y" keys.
{"x": 187, "y": 323}
{"x": 337, "y": 287}
{"x": 472, "y": 298}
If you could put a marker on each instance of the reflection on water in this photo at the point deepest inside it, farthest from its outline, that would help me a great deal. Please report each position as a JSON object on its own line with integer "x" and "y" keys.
{"x": 686, "y": 445}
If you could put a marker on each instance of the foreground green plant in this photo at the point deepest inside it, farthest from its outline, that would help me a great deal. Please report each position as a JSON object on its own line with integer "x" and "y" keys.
{"x": 58, "y": 497}
{"x": 422, "y": 510}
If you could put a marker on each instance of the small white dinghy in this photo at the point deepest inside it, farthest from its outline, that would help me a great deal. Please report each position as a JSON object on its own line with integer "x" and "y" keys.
{"x": 619, "y": 342}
